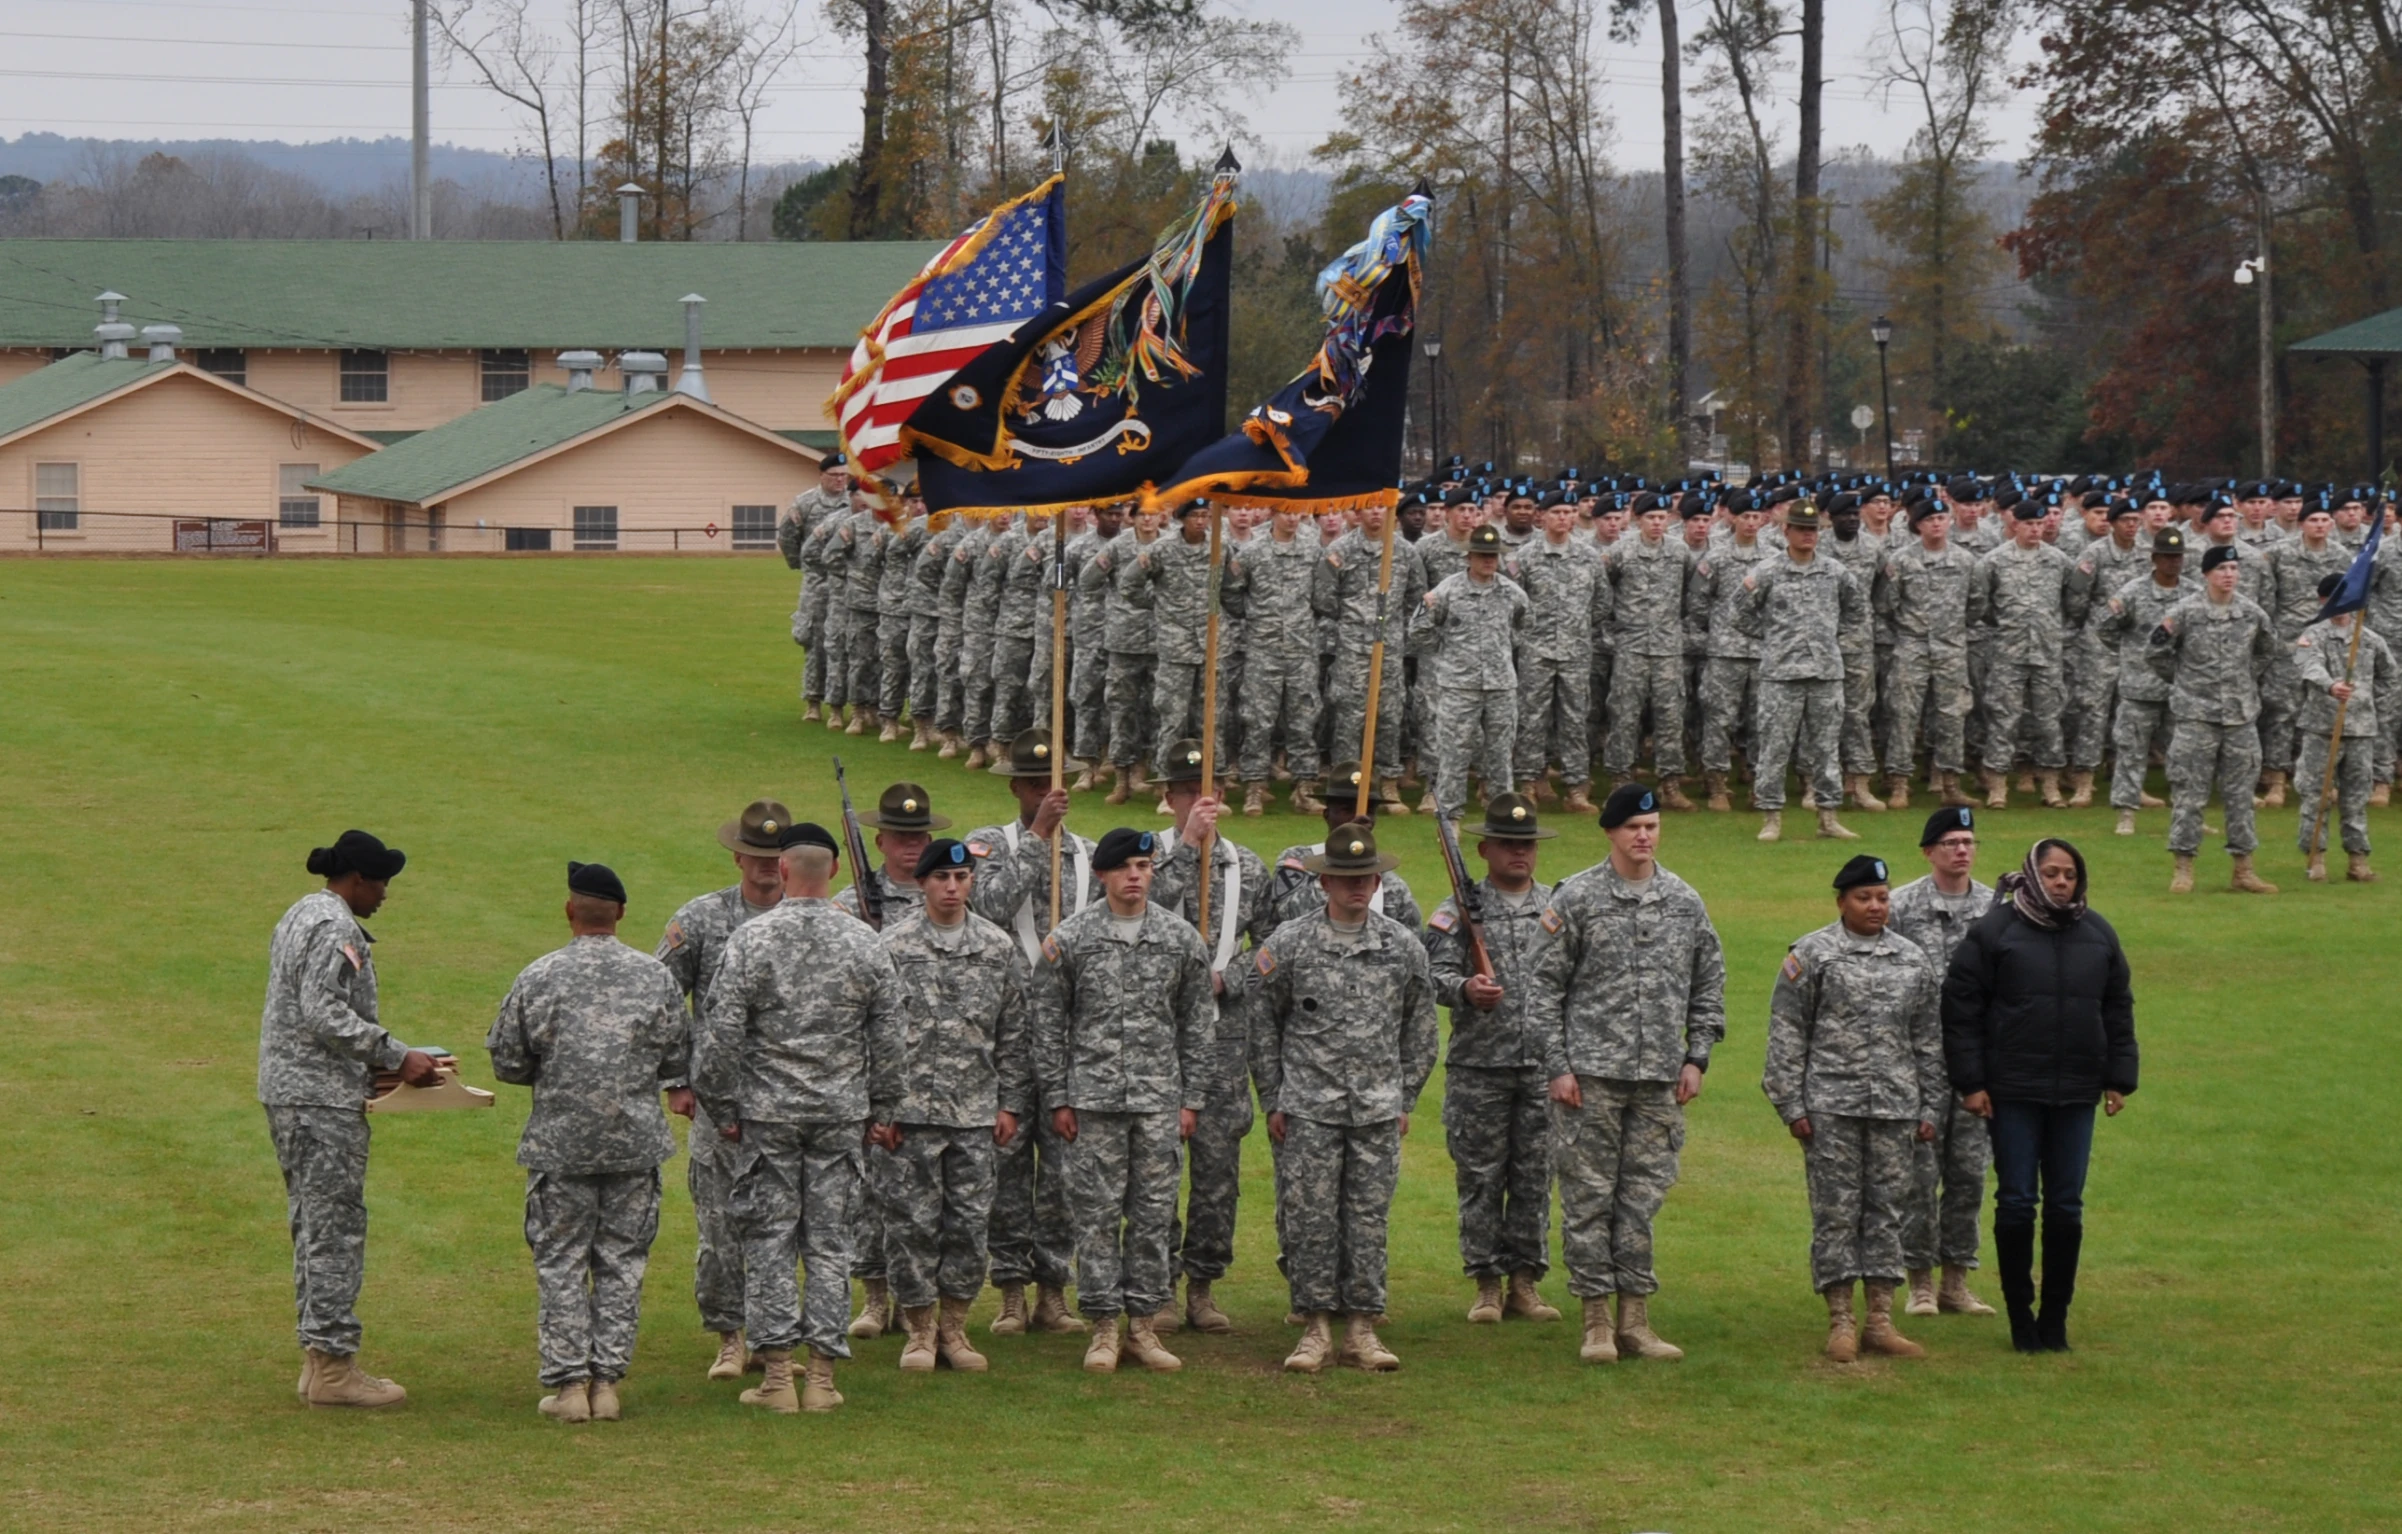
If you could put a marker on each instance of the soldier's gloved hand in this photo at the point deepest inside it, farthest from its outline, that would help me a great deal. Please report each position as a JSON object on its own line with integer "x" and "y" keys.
{"x": 1483, "y": 994}
{"x": 417, "y": 1069}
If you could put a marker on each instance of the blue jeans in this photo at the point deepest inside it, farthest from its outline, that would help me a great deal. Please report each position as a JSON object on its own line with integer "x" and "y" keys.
{"x": 2040, "y": 1150}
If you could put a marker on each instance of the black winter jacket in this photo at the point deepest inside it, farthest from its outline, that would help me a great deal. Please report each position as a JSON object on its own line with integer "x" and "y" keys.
{"x": 2037, "y": 1016}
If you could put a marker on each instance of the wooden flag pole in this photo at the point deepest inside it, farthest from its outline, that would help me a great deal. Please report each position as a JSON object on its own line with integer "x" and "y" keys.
{"x": 2335, "y": 747}
{"x": 1209, "y": 707}
{"x": 1384, "y": 598}
{"x": 1059, "y": 689}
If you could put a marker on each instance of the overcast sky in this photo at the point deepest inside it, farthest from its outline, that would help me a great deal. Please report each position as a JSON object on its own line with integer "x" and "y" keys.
{"x": 283, "y": 69}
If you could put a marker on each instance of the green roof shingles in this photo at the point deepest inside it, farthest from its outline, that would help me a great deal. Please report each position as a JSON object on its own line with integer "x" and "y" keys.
{"x": 66, "y": 384}
{"x": 431, "y": 463}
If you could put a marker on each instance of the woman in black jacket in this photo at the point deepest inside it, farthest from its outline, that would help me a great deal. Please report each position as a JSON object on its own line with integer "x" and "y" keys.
{"x": 2038, "y": 1022}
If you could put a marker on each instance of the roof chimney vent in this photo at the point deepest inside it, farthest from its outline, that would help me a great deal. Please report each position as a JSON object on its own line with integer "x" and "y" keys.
{"x": 162, "y": 341}
{"x": 690, "y": 380}
{"x": 580, "y": 368}
{"x": 629, "y": 212}
{"x": 113, "y": 332}
{"x": 645, "y": 372}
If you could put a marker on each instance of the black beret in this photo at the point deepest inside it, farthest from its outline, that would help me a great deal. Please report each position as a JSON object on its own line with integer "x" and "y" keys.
{"x": 2219, "y": 554}
{"x": 1965, "y": 489}
{"x": 2031, "y": 508}
{"x": 941, "y": 853}
{"x": 810, "y": 834}
{"x": 1944, "y": 822}
{"x": 356, "y": 852}
{"x": 1118, "y": 846}
{"x": 1862, "y": 869}
{"x": 832, "y": 461}
{"x": 1626, "y": 801}
{"x": 2124, "y": 506}
{"x": 598, "y": 880}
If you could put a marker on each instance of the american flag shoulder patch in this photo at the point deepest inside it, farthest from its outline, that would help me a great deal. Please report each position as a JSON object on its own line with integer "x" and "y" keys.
{"x": 1551, "y": 921}
{"x": 1051, "y": 949}
{"x": 675, "y": 934}
{"x": 1793, "y": 965}
{"x": 352, "y": 954}
{"x": 1266, "y": 962}
{"x": 1443, "y": 921}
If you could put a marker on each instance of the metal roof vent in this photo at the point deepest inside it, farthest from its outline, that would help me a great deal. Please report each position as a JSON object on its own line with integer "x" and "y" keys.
{"x": 162, "y": 341}
{"x": 690, "y": 380}
{"x": 629, "y": 212}
{"x": 580, "y": 368}
{"x": 113, "y": 332}
{"x": 645, "y": 372}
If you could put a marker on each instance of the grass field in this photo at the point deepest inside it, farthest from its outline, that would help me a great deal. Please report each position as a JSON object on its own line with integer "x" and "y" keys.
{"x": 176, "y": 736}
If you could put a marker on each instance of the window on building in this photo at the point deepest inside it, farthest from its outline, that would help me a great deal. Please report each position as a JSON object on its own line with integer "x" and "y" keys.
{"x": 596, "y": 527}
{"x": 754, "y": 527}
{"x": 57, "y": 496}
{"x": 506, "y": 373}
{"x": 526, "y": 540}
{"x": 229, "y": 363}
{"x": 366, "y": 378}
{"x": 295, "y": 502}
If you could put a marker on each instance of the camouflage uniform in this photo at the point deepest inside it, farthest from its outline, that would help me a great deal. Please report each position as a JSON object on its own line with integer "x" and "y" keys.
{"x": 826, "y": 564}
{"x": 2125, "y": 623}
{"x": 2293, "y": 570}
{"x": 1126, "y": 629}
{"x": 1343, "y": 1043}
{"x": 801, "y": 1046}
{"x": 2213, "y": 657}
{"x": 1925, "y": 597}
{"x": 896, "y": 609}
{"x": 1088, "y": 648}
{"x": 1807, "y": 608}
{"x": 2319, "y": 658}
{"x": 1947, "y": 1174}
{"x": 1730, "y": 676}
{"x": 1477, "y": 624}
{"x": 979, "y": 630}
{"x": 866, "y": 535}
{"x": 965, "y": 1057}
{"x": 2384, "y": 618}
{"x": 1298, "y": 892}
{"x": 1171, "y": 578}
{"x": 595, "y": 1028}
{"x": 811, "y": 510}
{"x": 1440, "y": 557}
{"x": 1628, "y": 988}
{"x": 898, "y": 902}
{"x": 1023, "y": 614}
{"x": 1571, "y": 594}
{"x": 1862, "y": 557}
{"x": 928, "y": 619}
{"x": 2023, "y": 594}
{"x": 1266, "y": 585}
{"x": 1647, "y": 582}
{"x": 2091, "y": 681}
{"x": 319, "y": 1049}
{"x": 1343, "y": 587}
{"x": 958, "y": 579}
{"x": 1123, "y": 1034}
{"x": 1496, "y": 1115}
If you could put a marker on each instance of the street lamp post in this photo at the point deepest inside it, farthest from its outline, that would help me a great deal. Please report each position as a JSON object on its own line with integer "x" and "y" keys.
{"x": 1880, "y": 330}
{"x": 2255, "y": 273}
{"x": 1434, "y": 402}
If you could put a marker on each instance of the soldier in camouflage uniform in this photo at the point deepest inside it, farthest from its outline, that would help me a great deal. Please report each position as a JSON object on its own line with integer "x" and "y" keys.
{"x": 1947, "y": 1172}
{"x": 2124, "y": 623}
{"x": 1123, "y": 1048}
{"x": 1730, "y": 677}
{"x": 1476, "y": 618}
{"x": 2295, "y": 568}
{"x": 865, "y": 535}
{"x": 2384, "y": 618}
{"x": 1647, "y": 574}
{"x": 1132, "y": 655}
{"x": 1563, "y": 577}
{"x": 1855, "y": 1070}
{"x": 826, "y": 564}
{"x": 958, "y": 579}
{"x": 1627, "y": 998}
{"x": 1800, "y": 607}
{"x": 1088, "y": 646}
{"x": 596, "y": 1029}
{"x": 1341, "y": 1047}
{"x": 2363, "y": 681}
{"x": 320, "y": 1046}
{"x": 926, "y": 627}
{"x": 1298, "y": 891}
{"x": 1496, "y": 1112}
{"x": 1922, "y": 591}
{"x": 979, "y": 628}
{"x": 799, "y": 1051}
{"x": 1442, "y": 553}
{"x": 1344, "y": 589}
{"x": 2021, "y": 592}
{"x": 1171, "y": 578}
{"x": 896, "y": 610}
{"x": 1862, "y": 553}
{"x": 967, "y": 1086}
{"x": 2213, "y": 649}
{"x": 2103, "y": 566}
{"x": 826, "y": 501}
{"x": 1023, "y": 615}
{"x": 1266, "y": 588}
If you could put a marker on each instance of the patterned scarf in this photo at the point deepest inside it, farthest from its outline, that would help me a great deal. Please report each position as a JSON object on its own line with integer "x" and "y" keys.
{"x": 2025, "y": 891}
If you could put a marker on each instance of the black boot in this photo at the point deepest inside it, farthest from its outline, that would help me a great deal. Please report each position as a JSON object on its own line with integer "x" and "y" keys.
{"x": 2014, "y": 1262}
{"x": 2062, "y": 1241}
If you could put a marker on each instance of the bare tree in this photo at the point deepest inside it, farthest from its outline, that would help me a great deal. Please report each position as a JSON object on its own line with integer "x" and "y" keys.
{"x": 760, "y": 57}
{"x": 1802, "y": 310}
{"x": 514, "y": 58}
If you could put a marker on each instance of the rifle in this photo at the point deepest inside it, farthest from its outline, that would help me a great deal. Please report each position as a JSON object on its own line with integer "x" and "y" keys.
{"x": 871, "y": 902}
{"x": 1464, "y": 897}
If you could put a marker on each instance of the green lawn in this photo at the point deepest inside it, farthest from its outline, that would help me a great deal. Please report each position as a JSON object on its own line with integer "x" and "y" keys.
{"x": 176, "y": 736}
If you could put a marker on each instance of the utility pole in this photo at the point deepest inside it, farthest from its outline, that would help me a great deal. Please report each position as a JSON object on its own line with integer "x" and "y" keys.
{"x": 421, "y": 181}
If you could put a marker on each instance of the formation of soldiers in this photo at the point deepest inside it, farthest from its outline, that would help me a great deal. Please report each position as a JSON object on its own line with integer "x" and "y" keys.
{"x": 1878, "y": 641}
{"x": 927, "y": 1085}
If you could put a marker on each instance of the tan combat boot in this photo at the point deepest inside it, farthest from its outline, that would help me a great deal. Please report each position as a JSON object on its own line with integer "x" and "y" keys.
{"x": 834, "y": 717}
{"x": 1388, "y": 795}
{"x": 774, "y": 1391}
{"x": 2180, "y": 882}
{"x": 1997, "y": 789}
{"x": 1843, "y": 1332}
{"x": 2126, "y": 824}
{"x": 2274, "y": 797}
{"x": 1879, "y": 1336}
{"x": 921, "y": 736}
{"x": 1601, "y": 1338}
{"x": 1101, "y": 1354}
{"x": 2146, "y": 800}
{"x": 948, "y": 750}
{"x": 890, "y": 733}
{"x": 2357, "y": 869}
{"x": 917, "y": 1353}
{"x": 2381, "y": 795}
{"x": 1526, "y": 1301}
{"x": 1051, "y": 1313}
{"x": 2048, "y": 785}
{"x": 875, "y": 1317}
{"x": 1081, "y": 783}
{"x": 1542, "y": 791}
{"x": 1922, "y": 1292}
{"x": 2243, "y": 881}
{"x": 817, "y": 1383}
{"x": 1135, "y": 780}
{"x": 2026, "y": 780}
{"x": 1305, "y": 800}
{"x": 1142, "y": 1340}
{"x": 1120, "y": 789}
{"x": 1579, "y": 800}
{"x": 338, "y": 1381}
{"x": 1011, "y": 1321}
{"x": 978, "y": 758}
{"x": 1897, "y": 790}
{"x": 1255, "y": 800}
{"x": 1201, "y": 1313}
{"x": 733, "y": 1358}
{"x": 1862, "y": 795}
{"x": 950, "y": 1339}
{"x": 1714, "y": 795}
{"x": 605, "y": 1405}
{"x": 1168, "y": 1319}
{"x": 1672, "y": 794}
{"x": 1362, "y": 1350}
{"x": 1947, "y": 785}
{"x": 2080, "y": 789}
{"x": 858, "y": 724}
{"x": 308, "y": 1372}
{"x": 1634, "y": 1330}
{"x": 2314, "y": 868}
{"x": 813, "y": 714}
{"x": 1953, "y": 1298}
{"x": 1832, "y": 829}
{"x": 1316, "y": 1347}
{"x": 1772, "y": 825}
{"x": 1487, "y": 1309}
{"x": 571, "y": 1402}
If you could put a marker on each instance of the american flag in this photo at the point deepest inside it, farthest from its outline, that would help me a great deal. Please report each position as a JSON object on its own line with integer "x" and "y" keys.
{"x": 1002, "y": 271}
